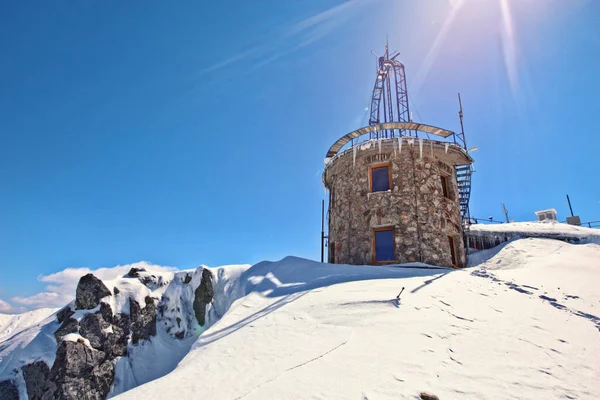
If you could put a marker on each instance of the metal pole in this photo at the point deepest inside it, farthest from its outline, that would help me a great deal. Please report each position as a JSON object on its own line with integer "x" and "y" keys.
{"x": 462, "y": 128}
{"x": 505, "y": 211}
{"x": 322, "y": 228}
{"x": 570, "y": 208}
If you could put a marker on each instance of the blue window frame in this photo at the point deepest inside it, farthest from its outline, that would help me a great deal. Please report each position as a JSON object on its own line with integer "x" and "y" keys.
{"x": 380, "y": 178}
{"x": 384, "y": 244}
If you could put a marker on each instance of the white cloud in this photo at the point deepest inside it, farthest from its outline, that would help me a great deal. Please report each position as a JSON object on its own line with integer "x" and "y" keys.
{"x": 61, "y": 286}
{"x": 5, "y": 307}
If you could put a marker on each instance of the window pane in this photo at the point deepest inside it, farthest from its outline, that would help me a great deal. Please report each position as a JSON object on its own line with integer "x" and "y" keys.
{"x": 384, "y": 245}
{"x": 381, "y": 179}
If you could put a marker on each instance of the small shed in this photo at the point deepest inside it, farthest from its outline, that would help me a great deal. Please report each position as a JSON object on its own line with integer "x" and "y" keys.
{"x": 549, "y": 214}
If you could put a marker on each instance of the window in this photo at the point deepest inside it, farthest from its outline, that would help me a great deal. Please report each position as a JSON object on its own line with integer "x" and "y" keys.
{"x": 445, "y": 190}
{"x": 383, "y": 245}
{"x": 381, "y": 179}
{"x": 452, "y": 250}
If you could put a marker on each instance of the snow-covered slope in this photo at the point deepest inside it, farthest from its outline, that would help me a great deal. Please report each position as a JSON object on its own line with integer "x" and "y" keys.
{"x": 521, "y": 324}
{"x": 11, "y": 324}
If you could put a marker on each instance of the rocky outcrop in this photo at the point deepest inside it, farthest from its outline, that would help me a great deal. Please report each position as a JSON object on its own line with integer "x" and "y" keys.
{"x": 149, "y": 280}
{"x": 8, "y": 390}
{"x": 89, "y": 292}
{"x": 84, "y": 366}
{"x": 93, "y": 327}
{"x": 135, "y": 272}
{"x": 64, "y": 314}
{"x": 203, "y": 296}
{"x": 36, "y": 379}
{"x": 116, "y": 341}
{"x": 106, "y": 332}
{"x": 79, "y": 370}
{"x": 143, "y": 321}
{"x": 68, "y": 326}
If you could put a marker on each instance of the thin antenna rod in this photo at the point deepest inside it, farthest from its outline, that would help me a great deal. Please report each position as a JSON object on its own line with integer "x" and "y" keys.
{"x": 387, "y": 53}
{"x": 462, "y": 128}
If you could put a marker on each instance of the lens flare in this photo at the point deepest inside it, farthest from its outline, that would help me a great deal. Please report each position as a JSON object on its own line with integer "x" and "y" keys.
{"x": 509, "y": 49}
{"x": 434, "y": 49}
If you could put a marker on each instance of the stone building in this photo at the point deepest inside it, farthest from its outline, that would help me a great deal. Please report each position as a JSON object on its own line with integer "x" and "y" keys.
{"x": 396, "y": 200}
{"x": 400, "y": 196}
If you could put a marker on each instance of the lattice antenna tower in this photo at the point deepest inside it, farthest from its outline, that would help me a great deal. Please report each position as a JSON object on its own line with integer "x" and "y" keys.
{"x": 390, "y": 88}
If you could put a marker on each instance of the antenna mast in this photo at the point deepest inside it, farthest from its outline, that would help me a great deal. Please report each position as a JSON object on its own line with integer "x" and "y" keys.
{"x": 392, "y": 91}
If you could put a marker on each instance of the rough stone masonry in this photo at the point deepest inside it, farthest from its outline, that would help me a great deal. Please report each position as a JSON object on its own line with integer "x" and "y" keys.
{"x": 415, "y": 206}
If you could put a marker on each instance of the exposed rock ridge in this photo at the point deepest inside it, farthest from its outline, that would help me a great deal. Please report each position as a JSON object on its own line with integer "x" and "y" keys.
{"x": 87, "y": 365}
{"x": 203, "y": 296}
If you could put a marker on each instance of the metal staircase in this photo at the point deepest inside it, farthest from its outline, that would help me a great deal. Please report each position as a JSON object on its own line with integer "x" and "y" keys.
{"x": 463, "y": 172}
{"x": 463, "y": 179}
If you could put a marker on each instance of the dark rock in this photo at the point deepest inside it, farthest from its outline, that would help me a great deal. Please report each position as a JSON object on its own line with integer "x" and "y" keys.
{"x": 143, "y": 322}
{"x": 64, "y": 314}
{"x": 8, "y": 390}
{"x": 36, "y": 378}
{"x": 152, "y": 281}
{"x": 180, "y": 335}
{"x": 187, "y": 279}
{"x": 116, "y": 291}
{"x": 89, "y": 292}
{"x": 92, "y": 327}
{"x": 203, "y": 296}
{"x": 68, "y": 326}
{"x": 135, "y": 272}
{"x": 148, "y": 281}
{"x": 79, "y": 370}
{"x": 105, "y": 332}
{"x": 115, "y": 344}
{"x": 178, "y": 322}
{"x": 428, "y": 396}
{"x": 106, "y": 312}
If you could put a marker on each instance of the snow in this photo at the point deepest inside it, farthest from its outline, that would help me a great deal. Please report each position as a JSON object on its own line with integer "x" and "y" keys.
{"x": 33, "y": 343}
{"x": 546, "y": 228}
{"x": 14, "y": 323}
{"x": 76, "y": 337}
{"x": 520, "y": 324}
{"x": 141, "y": 365}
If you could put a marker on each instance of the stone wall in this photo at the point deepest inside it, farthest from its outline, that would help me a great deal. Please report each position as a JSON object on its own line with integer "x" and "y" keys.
{"x": 415, "y": 206}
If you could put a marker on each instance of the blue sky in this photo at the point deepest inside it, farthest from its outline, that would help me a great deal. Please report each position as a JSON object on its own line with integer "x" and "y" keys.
{"x": 187, "y": 132}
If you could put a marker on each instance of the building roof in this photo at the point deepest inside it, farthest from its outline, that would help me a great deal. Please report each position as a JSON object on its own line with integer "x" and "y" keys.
{"x": 413, "y": 126}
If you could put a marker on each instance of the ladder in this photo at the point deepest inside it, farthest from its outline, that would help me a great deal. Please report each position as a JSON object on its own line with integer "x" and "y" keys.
{"x": 463, "y": 180}
{"x": 463, "y": 172}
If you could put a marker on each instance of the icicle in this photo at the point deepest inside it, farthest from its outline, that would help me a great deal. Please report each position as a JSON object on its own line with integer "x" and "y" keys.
{"x": 400, "y": 145}
{"x": 379, "y": 143}
{"x": 394, "y": 146}
{"x": 411, "y": 141}
{"x": 431, "y": 146}
{"x": 447, "y": 145}
{"x": 420, "y": 147}
{"x": 354, "y": 156}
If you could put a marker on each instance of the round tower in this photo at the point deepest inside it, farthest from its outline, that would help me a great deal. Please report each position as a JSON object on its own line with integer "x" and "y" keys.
{"x": 399, "y": 196}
